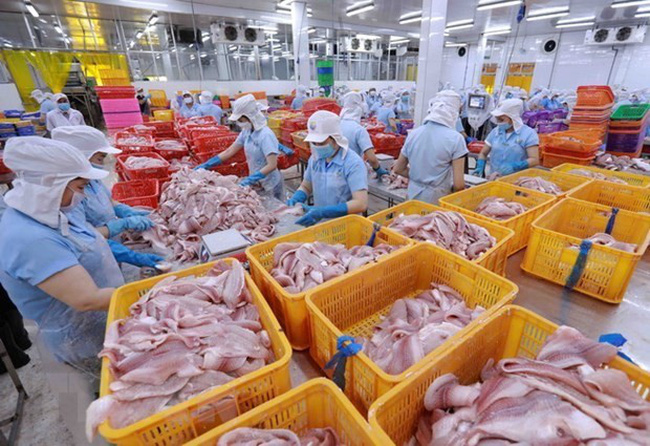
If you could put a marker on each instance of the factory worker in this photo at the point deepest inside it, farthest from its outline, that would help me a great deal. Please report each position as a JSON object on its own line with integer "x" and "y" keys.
{"x": 55, "y": 267}
{"x": 98, "y": 208}
{"x": 143, "y": 101}
{"x": 63, "y": 115}
{"x": 386, "y": 113}
{"x": 301, "y": 94}
{"x": 403, "y": 107}
{"x": 511, "y": 146}
{"x": 46, "y": 104}
{"x": 357, "y": 136}
{"x": 259, "y": 144}
{"x": 433, "y": 156}
{"x": 335, "y": 175}
{"x": 372, "y": 98}
{"x": 189, "y": 109}
{"x": 208, "y": 108}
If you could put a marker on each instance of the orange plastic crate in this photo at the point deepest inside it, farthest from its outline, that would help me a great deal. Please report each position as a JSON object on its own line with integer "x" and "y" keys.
{"x": 143, "y": 174}
{"x": 631, "y": 198}
{"x": 137, "y": 193}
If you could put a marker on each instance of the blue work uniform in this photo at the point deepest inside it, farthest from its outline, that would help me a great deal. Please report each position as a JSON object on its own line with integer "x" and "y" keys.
{"x": 211, "y": 110}
{"x": 296, "y": 104}
{"x": 403, "y": 110}
{"x": 509, "y": 148}
{"x": 33, "y": 252}
{"x": 259, "y": 144}
{"x": 430, "y": 150}
{"x": 371, "y": 101}
{"x": 98, "y": 205}
{"x": 384, "y": 114}
{"x": 334, "y": 182}
{"x": 187, "y": 112}
{"x": 46, "y": 106}
{"x": 459, "y": 126}
{"x": 357, "y": 136}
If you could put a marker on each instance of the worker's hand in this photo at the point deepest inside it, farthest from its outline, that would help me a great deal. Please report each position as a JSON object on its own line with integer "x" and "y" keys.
{"x": 286, "y": 150}
{"x": 137, "y": 223}
{"x": 212, "y": 162}
{"x": 299, "y": 197}
{"x": 252, "y": 179}
{"x": 480, "y": 168}
{"x": 314, "y": 214}
{"x": 122, "y": 211}
{"x": 380, "y": 171}
{"x": 142, "y": 259}
{"x": 470, "y": 139}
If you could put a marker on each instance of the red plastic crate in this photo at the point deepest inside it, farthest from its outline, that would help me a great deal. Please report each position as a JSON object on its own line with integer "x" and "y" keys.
{"x": 239, "y": 169}
{"x": 215, "y": 143}
{"x": 143, "y": 174}
{"x": 137, "y": 193}
{"x": 476, "y": 146}
{"x": 170, "y": 154}
{"x": 122, "y": 143}
{"x": 115, "y": 92}
{"x": 285, "y": 161}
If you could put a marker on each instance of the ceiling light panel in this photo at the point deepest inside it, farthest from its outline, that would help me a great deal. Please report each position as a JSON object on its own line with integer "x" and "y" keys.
{"x": 485, "y": 5}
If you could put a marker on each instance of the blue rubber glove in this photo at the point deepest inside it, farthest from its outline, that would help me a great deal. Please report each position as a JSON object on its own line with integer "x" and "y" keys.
{"x": 124, "y": 255}
{"x": 137, "y": 223}
{"x": 252, "y": 179}
{"x": 380, "y": 171}
{"x": 299, "y": 197}
{"x": 123, "y": 211}
{"x": 470, "y": 139}
{"x": 286, "y": 150}
{"x": 480, "y": 168}
{"x": 314, "y": 214}
{"x": 212, "y": 162}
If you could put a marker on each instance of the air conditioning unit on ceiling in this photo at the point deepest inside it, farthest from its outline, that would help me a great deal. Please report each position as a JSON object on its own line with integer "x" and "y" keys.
{"x": 621, "y": 35}
{"x": 236, "y": 34}
{"x": 356, "y": 45}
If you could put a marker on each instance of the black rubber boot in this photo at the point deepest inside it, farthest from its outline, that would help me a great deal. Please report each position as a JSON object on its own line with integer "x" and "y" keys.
{"x": 15, "y": 321}
{"x": 18, "y": 357}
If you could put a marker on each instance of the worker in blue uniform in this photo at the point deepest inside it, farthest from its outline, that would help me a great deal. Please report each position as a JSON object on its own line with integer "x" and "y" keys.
{"x": 208, "y": 108}
{"x": 301, "y": 95}
{"x": 189, "y": 109}
{"x": 386, "y": 113}
{"x": 336, "y": 176}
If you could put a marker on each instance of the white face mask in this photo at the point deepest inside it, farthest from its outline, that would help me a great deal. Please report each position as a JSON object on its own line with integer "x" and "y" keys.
{"x": 77, "y": 198}
{"x": 188, "y": 100}
{"x": 245, "y": 125}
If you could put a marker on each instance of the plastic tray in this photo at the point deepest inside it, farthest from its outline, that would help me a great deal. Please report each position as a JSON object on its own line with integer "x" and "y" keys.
{"x": 188, "y": 420}
{"x": 568, "y": 183}
{"x": 575, "y": 141}
{"x": 512, "y": 331}
{"x": 466, "y": 201}
{"x": 594, "y": 96}
{"x": 353, "y": 305}
{"x": 291, "y": 309}
{"x": 315, "y": 404}
{"x": 553, "y": 127}
{"x": 137, "y": 193}
{"x": 494, "y": 259}
{"x": 606, "y": 193}
{"x": 143, "y": 174}
{"x": 554, "y": 247}
{"x": 552, "y": 160}
{"x": 630, "y": 178}
{"x": 632, "y": 112}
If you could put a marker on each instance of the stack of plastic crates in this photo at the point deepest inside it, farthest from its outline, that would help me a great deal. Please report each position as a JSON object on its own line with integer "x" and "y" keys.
{"x": 119, "y": 106}
{"x": 311, "y": 106}
{"x": 276, "y": 119}
{"x": 290, "y": 126}
{"x": 573, "y": 146}
{"x": 114, "y": 77}
{"x": 388, "y": 143}
{"x": 159, "y": 99}
{"x": 300, "y": 146}
{"x": 627, "y": 130}
{"x": 593, "y": 108}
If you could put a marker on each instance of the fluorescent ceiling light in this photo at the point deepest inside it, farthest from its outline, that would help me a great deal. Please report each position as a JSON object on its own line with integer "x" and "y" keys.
{"x": 414, "y": 35}
{"x": 206, "y": 38}
{"x": 577, "y": 20}
{"x": 641, "y": 15}
{"x": 460, "y": 23}
{"x": 268, "y": 28}
{"x": 359, "y": 8}
{"x": 8, "y": 45}
{"x": 232, "y": 47}
{"x": 368, "y": 36}
{"x": 251, "y": 58}
{"x": 317, "y": 41}
{"x": 454, "y": 45}
{"x": 153, "y": 19}
{"x": 143, "y": 4}
{"x": 285, "y": 10}
{"x": 459, "y": 27}
{"x": 204, "y": 55}
{"x": 138, "y": 34}
{"x": 311, "y": 30}
{"x": 399, "y": 42}
{"x": 548, "y": 13}
{"x": 272, "y": 40}
{"x": 410, "y": 17}
{"x": 626, "y": 3}
{"x": 42, "y": 20}
{"x": 57, "y": 28}
{"x": 497, "y": 31}
{"x": 132, "y": 44}
{"x": 31, "y": 9}
{"x": 485, "y": 5}
{"x": 285, "y": 2}
{"x": 574, "y": 25}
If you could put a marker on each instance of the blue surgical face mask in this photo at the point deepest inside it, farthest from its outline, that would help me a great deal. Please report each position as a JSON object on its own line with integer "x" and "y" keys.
{"x": 65, "y": 106}
{"x": 323, "y": 152}
{"x": 405, "y": 98}
{"x": 97, "y": 166}
{"x": 505, "y": 126}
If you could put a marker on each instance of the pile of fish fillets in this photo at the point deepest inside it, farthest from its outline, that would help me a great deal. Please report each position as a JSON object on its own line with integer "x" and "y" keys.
{"x": 563, "y": 397}
{"x": 448, "y": 230}
{"x": 607, "y": 240}
{"x": 611, "y": 162}
{"x": 539, "y": 184}
{"x": 245, "y": 436}
{"x": 596, "y": 175}
{"x": 499, "y": 208}
{"x": 200, "y": 202}
{"x": 394, "y": 181}
{"x": 184, "y": 337}
{"x": 415, "y": 327}
{"x": 299, "y": 267}
{"x": 144, "y": 162}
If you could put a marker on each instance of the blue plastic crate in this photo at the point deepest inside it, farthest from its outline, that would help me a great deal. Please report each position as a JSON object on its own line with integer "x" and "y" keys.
{"x": 10, "y": 114}
{"x": 28, "y": 130}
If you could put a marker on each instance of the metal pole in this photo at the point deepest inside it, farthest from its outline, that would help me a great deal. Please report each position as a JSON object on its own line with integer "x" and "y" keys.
{"x": 155, "y": 66}
{"x": 196, "y": 44}
{"x": 29, "y": 30}
{"x": 178, "y": 61}
{"x": 388, "y": 63}
{"x": 92, "y": 28}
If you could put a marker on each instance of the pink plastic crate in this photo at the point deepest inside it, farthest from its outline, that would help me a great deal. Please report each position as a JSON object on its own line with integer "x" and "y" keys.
{"x": 121, "y": 120}
{"x": 119, "y": 105}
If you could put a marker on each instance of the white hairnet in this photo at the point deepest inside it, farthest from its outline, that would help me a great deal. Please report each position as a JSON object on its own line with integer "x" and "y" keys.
{"x": 389, "y": 98}
{"x": 37, "y": 95}
{"x": 186, "y": 93}
{"x": 206, "y": 97}
{"x": 49, "y": 96}
{"x": 444, "y": 108}
{"x": 60, "y": 96}
{"x": 249, "y": 107}
{"x": 513, "y": 109}
{"x": 301, "y": 91}
{"x": 43, "y": 169}
{"x": 324, "y": 124}
{"x": 88, "y": 140}
{"x": 352, "y": 106}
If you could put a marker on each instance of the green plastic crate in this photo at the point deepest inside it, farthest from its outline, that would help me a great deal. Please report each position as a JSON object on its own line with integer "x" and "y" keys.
{"x": 634, "y": 112}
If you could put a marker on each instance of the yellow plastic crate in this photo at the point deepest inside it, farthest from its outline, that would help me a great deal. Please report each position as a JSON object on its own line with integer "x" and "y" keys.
{"x": 291, "y": 309}
{"x": 510, "y": 332}
{"x": 315, "y": 404}
{"x": 630, "y": 198}
{"x": 188, "y": 420}
{"x": 163, "y": 115}
{"x": 276, "y": 118}
{"x": 158, "y": 98}
{"x": 494, "y": 259}
{"x": 467, "y": 200}
{"x": 554, "y": 247}
{"x": 632, "y": 179}
{"x": 568, "y": 183}
{"x": 353, "y": 305}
